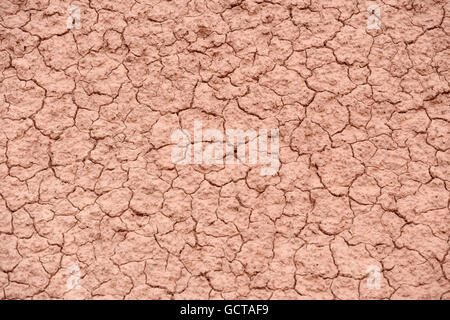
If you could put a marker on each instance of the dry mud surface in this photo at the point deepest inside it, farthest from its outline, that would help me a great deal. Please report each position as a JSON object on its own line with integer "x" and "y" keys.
{"x": 88, "y": 190}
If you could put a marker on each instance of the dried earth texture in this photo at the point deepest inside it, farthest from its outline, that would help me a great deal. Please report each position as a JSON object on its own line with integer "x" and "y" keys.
{"x": 88, "y": 189}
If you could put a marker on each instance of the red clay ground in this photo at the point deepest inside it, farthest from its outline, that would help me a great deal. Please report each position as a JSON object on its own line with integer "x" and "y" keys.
{"x": 86, "y": 178}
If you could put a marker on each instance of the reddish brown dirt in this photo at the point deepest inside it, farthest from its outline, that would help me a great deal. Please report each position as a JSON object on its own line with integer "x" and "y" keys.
{"x": 86, "y": 178}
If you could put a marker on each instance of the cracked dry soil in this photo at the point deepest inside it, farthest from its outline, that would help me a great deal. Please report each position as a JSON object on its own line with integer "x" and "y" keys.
{"x": 86, "y": 178}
